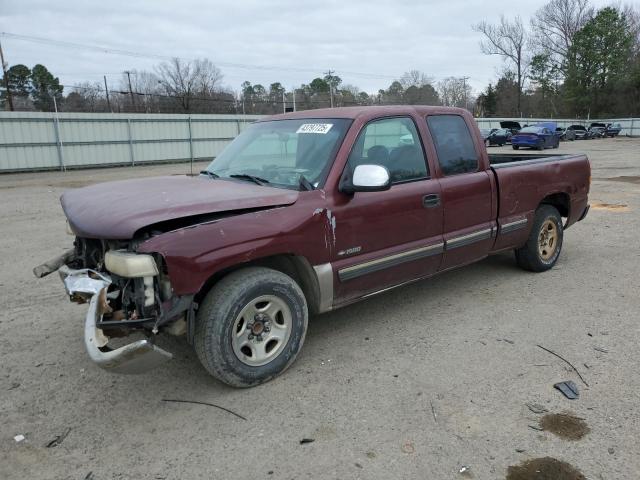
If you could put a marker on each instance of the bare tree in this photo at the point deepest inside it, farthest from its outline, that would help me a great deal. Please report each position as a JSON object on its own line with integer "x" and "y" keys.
{"x": 454, "y": 92}
{"x": 554, "y": 25}
{"x": 188, "y": 80}
{"x": 508, "y": 40}
{"x": 415, "y": 78}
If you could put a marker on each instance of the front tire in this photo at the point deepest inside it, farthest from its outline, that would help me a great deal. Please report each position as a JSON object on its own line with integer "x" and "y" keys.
{"x": 251, "y": 326}
{"x": 543, "y": 247}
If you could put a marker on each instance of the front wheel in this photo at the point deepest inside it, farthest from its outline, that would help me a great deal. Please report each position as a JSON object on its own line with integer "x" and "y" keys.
{"x": 487, "y": 143}
{"x": 515, "y": 147}
{"x": 543, "y": 247}
{"x": 251, "y": 326}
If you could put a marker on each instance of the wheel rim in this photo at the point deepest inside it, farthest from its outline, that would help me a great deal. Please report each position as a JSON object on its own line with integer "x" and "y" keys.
{"x": 548, "y": 240}
{"x": 261, "y": 330}
{"x": 486, "y": 142}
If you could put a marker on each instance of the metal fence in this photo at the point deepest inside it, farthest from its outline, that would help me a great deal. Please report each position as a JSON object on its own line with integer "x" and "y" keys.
{"x": 46, "y": 141}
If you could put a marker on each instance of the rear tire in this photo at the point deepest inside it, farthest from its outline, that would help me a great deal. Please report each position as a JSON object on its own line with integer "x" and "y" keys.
{"x": 515, "y": 147}
{"x": 251, "y": 326}
{"x": 544, "y": 244}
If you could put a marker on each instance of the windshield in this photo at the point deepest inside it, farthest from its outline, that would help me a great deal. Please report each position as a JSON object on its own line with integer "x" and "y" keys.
{"x": 283, "y": 153}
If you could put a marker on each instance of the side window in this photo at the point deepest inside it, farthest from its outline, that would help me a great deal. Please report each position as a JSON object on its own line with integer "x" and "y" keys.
{"x": 392, "y": 143}
{"x": 456, "y": 153}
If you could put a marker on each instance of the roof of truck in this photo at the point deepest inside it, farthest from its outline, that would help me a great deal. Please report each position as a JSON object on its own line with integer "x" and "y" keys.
{"x": 367, "y": 112}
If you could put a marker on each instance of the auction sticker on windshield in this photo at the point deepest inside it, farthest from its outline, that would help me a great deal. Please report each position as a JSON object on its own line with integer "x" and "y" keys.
{"x": 315, "y": 128}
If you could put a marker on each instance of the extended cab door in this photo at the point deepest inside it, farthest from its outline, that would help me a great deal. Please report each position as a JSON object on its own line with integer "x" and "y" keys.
{"x": 467, "y": 191}
{"x": 390, "y": 237}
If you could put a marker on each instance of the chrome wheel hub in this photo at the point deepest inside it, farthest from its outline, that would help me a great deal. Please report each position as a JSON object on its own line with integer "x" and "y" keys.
{"x": 261, "y": 330}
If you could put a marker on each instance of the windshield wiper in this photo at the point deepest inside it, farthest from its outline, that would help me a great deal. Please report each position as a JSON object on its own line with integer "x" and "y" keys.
{"x": 304, "y": 183}
{"x": 209, "y": 174}
{"x": 253, "y": 178}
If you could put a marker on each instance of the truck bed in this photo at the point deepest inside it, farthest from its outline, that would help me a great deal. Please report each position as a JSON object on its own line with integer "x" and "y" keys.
{"x": 504, "y": 160}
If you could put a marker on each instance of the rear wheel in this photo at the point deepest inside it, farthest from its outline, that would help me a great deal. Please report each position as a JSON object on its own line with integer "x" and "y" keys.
{"x": 515, "y": 147}
{"x": 251, "y": 326}
{"x": 543, "y": 247}
{"x": 540, "y": 145}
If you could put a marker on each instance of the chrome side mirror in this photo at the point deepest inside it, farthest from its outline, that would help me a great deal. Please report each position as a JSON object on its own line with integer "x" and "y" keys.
{"x": 367, "y": 178}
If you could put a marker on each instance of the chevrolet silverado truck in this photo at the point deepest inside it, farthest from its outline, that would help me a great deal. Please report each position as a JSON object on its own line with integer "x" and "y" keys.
{"x": 301, "y": 214}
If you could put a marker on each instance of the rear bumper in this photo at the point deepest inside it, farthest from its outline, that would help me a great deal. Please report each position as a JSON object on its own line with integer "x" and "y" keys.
{"x": 136, "y": 357}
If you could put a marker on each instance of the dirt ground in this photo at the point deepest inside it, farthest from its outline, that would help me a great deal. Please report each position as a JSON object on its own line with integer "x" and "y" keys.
{"x": 437, "y": 380}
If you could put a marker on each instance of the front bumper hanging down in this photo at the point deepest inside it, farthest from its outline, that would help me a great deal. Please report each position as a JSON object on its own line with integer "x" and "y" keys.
{"x": 137, "y": 357}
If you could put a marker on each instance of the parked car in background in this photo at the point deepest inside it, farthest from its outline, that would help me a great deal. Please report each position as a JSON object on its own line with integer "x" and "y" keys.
{"x": 597, "y": 132}
{"x": 495, "y": 136}
{"x": 513, "y": 127}
{"x": 566, "y": 134}
{"x": 539, "y": 136}
{"x": 613, "y": 129}
{"x": 580, "y": 132}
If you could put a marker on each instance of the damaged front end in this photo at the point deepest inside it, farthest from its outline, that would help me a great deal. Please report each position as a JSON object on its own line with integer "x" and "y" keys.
{"x": 127, "y": 293}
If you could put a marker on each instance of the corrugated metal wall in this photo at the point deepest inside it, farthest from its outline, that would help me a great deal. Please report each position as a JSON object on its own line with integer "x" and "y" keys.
{"x": 37, "y": 141}
{"x": 40, "y": 141}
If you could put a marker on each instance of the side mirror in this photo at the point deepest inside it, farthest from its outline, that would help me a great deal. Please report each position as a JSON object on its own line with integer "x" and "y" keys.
{"x": 366, "y": 178}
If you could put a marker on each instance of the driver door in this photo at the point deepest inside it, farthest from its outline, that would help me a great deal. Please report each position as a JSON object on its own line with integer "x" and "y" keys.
{"x": 390, "y": 237}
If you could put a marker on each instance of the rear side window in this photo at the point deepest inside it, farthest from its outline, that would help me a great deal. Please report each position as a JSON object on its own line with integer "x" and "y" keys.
{"x": 456, "y": 153}
{"x": 393, "y": 143}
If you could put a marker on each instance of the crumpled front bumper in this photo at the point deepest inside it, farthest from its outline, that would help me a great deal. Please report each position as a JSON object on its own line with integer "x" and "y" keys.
{"x": 136, "y": 357}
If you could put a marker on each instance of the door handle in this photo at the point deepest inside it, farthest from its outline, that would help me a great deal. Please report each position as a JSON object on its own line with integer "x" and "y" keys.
{"x": 431, "y": 200}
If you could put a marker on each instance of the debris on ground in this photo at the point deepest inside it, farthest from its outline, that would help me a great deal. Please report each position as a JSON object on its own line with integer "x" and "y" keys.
{"x": 464, "y": 470}
{"x": 565, "y": 361}
{"x": 58, "y": 439}
{"x": 13, "y": 386}
{"x": 407, "y": 447}
{"x": 546, "y": 468}
{"x": 205, "y": 403}
{"x": 568, "y": 388}
{"x": 19, "y": 438}
{"x": 611, "y": 451}
{"x": 307, "y": 440}
{"x": 565, "y": 425}
{"x": 600, "y": 349}
{"x": 536, "y": 408}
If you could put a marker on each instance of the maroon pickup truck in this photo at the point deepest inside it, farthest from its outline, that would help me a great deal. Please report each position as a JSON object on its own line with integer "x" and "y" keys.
{"x": 301, "y": 214}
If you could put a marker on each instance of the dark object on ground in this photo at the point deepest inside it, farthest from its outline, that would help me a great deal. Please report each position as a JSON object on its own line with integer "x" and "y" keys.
{"x": 546, "y": 468}
{"x": 564, "y": 425}
{"x": 600, "y": 349}
{"x": 565, "y": 361}
{"x": 58, "y": 439}
{"x": 536, "y": 408}
{"x": 204, "y": 403}
{"x": 569, "y": 389}
{"x": 307, "y": 440}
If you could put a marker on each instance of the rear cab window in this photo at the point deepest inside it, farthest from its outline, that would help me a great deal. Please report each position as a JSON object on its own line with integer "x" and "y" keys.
{"x": 454, "y": 144}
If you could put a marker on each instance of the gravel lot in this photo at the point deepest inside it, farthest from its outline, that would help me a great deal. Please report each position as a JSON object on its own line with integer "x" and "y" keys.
{"x": 415, "y": 383}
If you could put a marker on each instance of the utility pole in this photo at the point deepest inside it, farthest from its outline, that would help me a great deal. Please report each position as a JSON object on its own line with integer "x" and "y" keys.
{"x": 133, "y": 102}
{"x": 6, "y": 79}
{"x": 284, "y": 102}
{"x": 293, "y": 92}
{"x": 329, "y": 73}
{"x": 106, "y": 90}
{"x": 464, "y": 89}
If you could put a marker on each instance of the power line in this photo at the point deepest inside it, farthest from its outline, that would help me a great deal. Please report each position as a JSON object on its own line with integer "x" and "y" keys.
{"x": 129, "y": 53}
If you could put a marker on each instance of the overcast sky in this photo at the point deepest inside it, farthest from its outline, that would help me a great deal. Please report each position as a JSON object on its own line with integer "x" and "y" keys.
{"x": 367, "y": 43}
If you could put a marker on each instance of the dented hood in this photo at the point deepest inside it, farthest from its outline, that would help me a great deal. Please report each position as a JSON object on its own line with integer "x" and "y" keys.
{"x": 117, "y": 210}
